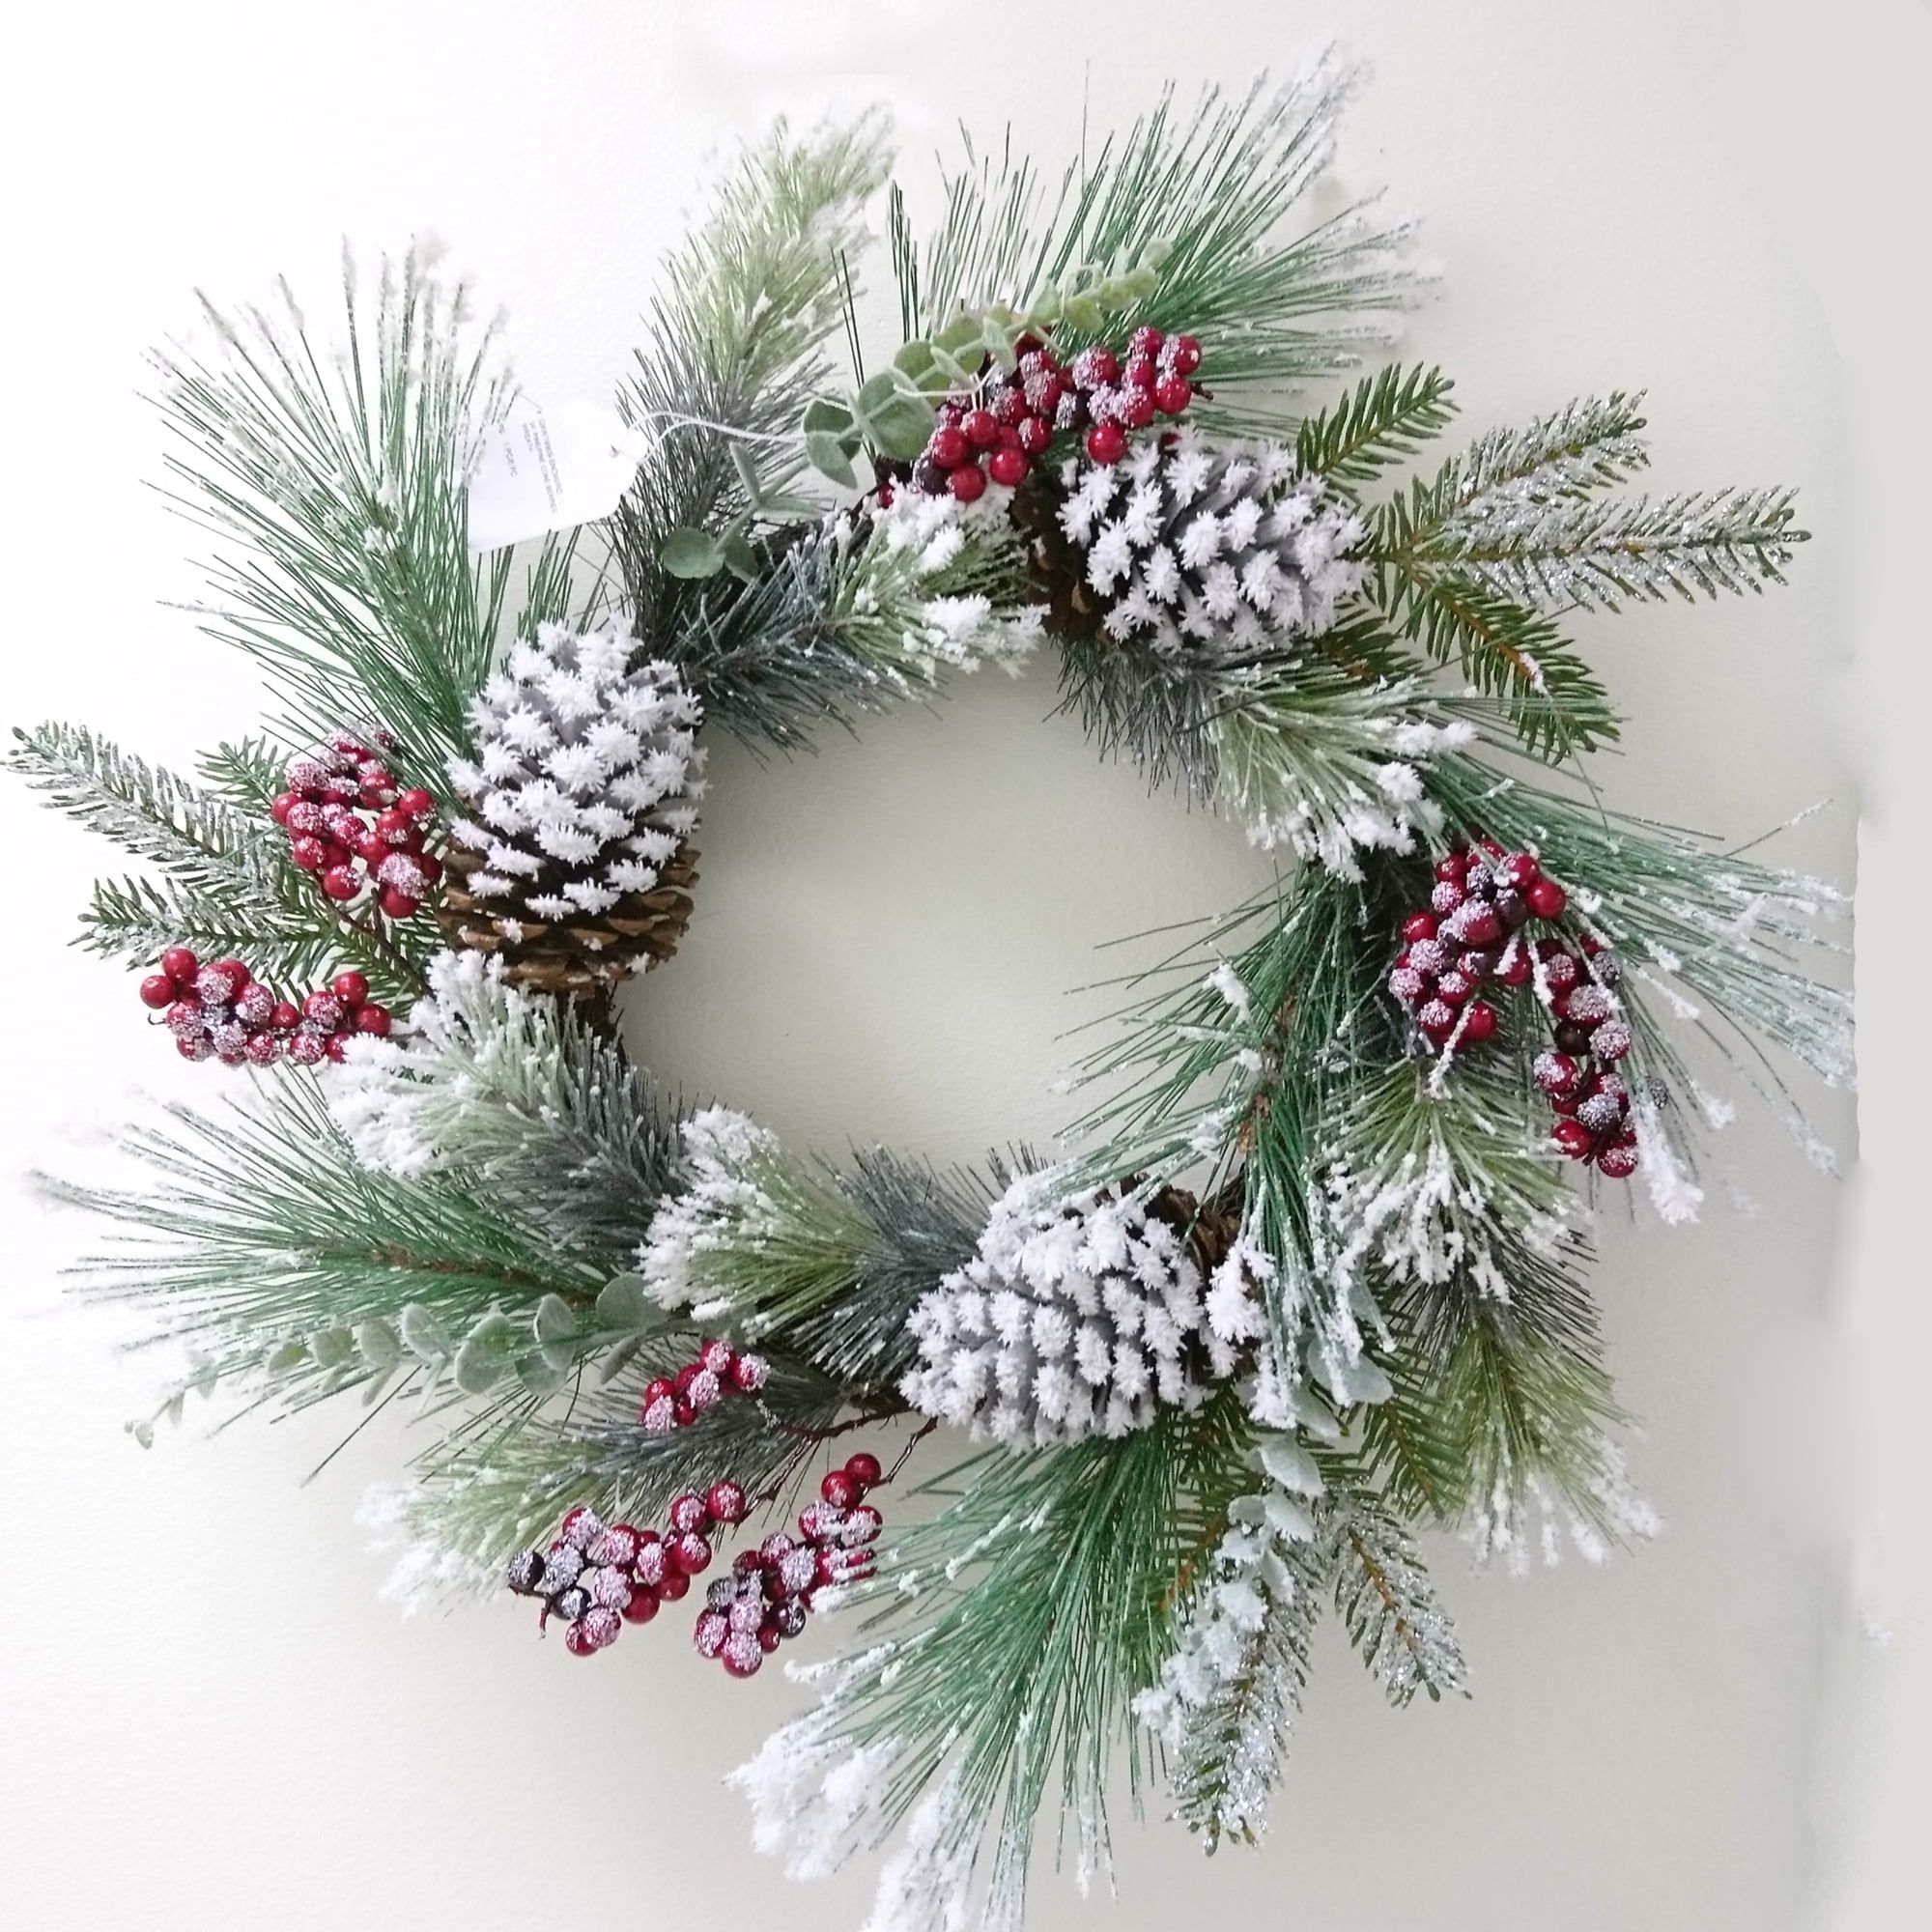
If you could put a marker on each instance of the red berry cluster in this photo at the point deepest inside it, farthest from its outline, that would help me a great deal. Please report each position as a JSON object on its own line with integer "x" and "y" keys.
{"x": 768, "y": 1595}
{"x": 1475, "y": 932}
{"x": 221, "y": 1012}
{"x": 998, "y": 427}
{"x": 599, "y": 1577}
{"x": 348, "y": 824}
{"x": 676, "y": 1402}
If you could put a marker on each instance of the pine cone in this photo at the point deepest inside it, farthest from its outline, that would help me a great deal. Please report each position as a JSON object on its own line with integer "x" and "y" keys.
{"x": 1229, "y": 552}
{"x": 1077, "y": 1316}
{"x": 573, "y": 864}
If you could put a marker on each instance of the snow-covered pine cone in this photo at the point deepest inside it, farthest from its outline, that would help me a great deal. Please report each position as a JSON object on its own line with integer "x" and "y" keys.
{"x": 1229, "y": 552}
{"x": 1077, "y": 1316}
{"x": 572, "y": 863}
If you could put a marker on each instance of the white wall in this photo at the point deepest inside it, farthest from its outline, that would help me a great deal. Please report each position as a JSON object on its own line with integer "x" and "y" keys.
{"x": 206, "y": 1717}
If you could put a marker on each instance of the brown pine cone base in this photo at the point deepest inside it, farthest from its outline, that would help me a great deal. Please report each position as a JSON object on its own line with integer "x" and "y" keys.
{"x": 579, "y": 958}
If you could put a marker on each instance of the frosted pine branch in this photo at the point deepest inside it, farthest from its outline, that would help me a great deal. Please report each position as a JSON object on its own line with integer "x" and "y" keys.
{"x": 1388, "y": 1604}
{"x": 1582, "y": 445}
{"x": 1562, "y": 553}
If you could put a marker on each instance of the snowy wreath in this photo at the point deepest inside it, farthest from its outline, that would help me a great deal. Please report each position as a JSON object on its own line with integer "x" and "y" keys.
{"x": 1308, "y": 1274}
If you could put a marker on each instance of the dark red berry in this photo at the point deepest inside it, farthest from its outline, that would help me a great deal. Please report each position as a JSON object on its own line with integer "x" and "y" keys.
{"x": 1106, "y": 442}
{"x": 864, "y": 1468}
{"x": 157, "y": 990}
{"x": 982, "y": 428}
{"x": 948, "y": 448}
{"x": 726, "y": 1502}
{"x": 1036, "y": 435}
{"x": 1479, "y": 1022}
{"x": 967, "y": 483}
{"x": 1574, "y": 1138}
{"x": 372, "y": 1018}
{"x": 351, "y": 989}
{"x": 838, "y": 1488}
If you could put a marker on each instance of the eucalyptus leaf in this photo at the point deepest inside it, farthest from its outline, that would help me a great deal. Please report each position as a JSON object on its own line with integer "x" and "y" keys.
{"x": 485, "y": 1355}
{"x": 740, "y": 558}
{"x": 555, "y": 1320}
{"x": 538, "y": 1372}
{"x": 827, "y": 455}
{"x": 424, "y": 1335}
{"x": 285, "y": 1356}
{"x": 377, "y": 1344}
{"x": 331, "y": 1348}
{"x": 823, "y": 414}
{"x": 690, "y": 554}
{"x": 624, "y": 1302}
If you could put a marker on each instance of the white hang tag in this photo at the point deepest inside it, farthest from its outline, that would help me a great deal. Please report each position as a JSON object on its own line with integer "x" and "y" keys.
{"x": 549, "y": 470}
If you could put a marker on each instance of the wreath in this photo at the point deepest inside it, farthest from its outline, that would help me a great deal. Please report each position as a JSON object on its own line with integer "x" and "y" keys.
{"x": 1309, "y": 1274}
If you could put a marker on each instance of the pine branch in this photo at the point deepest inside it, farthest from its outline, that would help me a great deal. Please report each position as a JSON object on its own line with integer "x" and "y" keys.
{"x": 1010, "y": 1634}
{"x": 524, "y": 1101}
{"x": 269, "y": 1248}
{"x": 1213, "y": 187}
{"x": 1383, "y": 420}
{"x": 333, "y": 482}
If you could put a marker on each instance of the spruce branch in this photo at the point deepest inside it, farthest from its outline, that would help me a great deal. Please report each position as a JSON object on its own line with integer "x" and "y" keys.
{"x": 1585, "y": 444}
{"x": 1383, "y": 420}
{"x": 1568, "y": 554}
{"x": 227, "y": 886}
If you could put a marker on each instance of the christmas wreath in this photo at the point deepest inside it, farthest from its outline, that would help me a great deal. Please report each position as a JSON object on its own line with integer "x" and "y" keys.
{"x": 1308, "y": 1274}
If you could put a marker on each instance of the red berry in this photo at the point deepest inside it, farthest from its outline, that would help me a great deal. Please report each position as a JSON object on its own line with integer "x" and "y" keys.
{"x": 264, "y": 1049}
{"x": 1455, "y": 986}
{"x": 372, "y": 1018}
{"x": 742, "y": 1660}
{"x": 340, "y": 883}
{"x": 838, "y": 1488}
{"x": 1574, "y": 1138}
{"x": 690, "y": 1554}
{"x": 416, "y": 802}
{"x": 179, "y": 965}
{"x": 769, "y": 1638}
{"x": 1447, "y": 896}
{"x": 864, "y": 1468}
{"x": 1611, "y": 1041}
{"x": 1451, "y": 865}
{"x": 1036, "y": 435}
{"x": 1560, "y": 971}
{"x": 1517, "y": 970}
{"x": 968, "y": 482}
{"x": 659, "y": 1389}
{"x": 750, "y": 1373}
{"x": 982, "y": 428}
{"x": 1545, "y": 898}
{"x": 948, "y": 448}
{"x": 1140, "y": 373}
{"x": 642, "y": 1606}
{"x": 324, "y": 1008}
{"x": 1171, "y": 394}
{"x": 1137, "y": 408}
{"x": 1437, "y": 1019}
{"x": 284, "y": 1017}
{"x": 1618, "y": 1161}
{"x": 396, "y": 903}
{"x": 864, "y": 1526}
{"x": 1009, "y": 466}
{"x": 1518, "y": 871}
{"x": 1479, "y": 1022}
{"x": 233, "y": 972}
{"x": 351, "y": 989}
{"x": 279, "y": 810}
{"x": 726, "y": 1502}
{"x": 308, "y": 855}
{"x": 1097, "y": 366}
{"x": 1106, "y": 442}
{"x": 1555, "y": 1073}
{"x": 1183, "y": 355}
{"x": 1478, "y": 925}
{"x": 675, "y": 1585}
{"x": 1407, "y": 986}
{"x": 157, "y": 990}
{"x": 431, "y": 868}
{"x": 1146, "y": 340}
